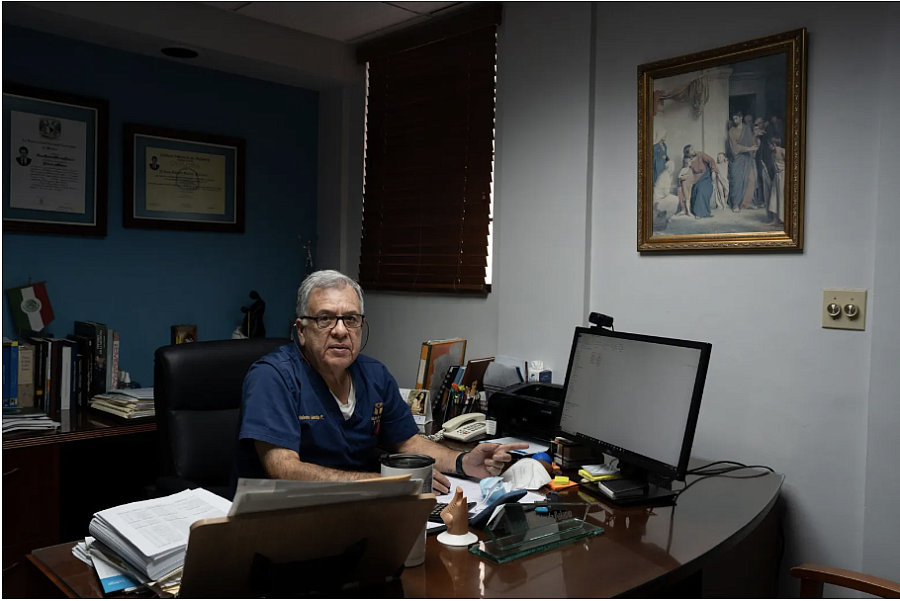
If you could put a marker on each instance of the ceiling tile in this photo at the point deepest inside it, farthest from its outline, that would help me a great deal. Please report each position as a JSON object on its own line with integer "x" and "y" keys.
{"x": 343, "y": 21}
{"x": 226, "y": 5}
{"x": 423, "y": 8}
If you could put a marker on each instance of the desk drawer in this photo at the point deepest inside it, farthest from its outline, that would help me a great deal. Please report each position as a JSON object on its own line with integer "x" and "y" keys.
{"x": 30, "y": 495}
{"x": 16, "y": 573}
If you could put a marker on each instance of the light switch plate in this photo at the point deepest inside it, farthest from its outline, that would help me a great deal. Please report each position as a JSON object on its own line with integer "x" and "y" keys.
{"x": 843, "y": 297}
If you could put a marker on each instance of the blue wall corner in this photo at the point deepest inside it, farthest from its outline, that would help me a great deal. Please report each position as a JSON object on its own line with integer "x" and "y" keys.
{"x": 140, "y": 282}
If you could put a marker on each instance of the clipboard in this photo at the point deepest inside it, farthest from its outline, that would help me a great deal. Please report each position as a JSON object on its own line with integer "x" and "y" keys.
{"x": 276, "y": 553}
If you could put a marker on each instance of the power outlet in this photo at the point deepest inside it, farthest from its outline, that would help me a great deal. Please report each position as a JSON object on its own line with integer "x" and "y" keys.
{"x": 837, "y": 301}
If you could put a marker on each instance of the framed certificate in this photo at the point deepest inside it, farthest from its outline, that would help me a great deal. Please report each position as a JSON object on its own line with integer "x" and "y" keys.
{"x": 55, "y": 173}
{"x": 180, "y": 180}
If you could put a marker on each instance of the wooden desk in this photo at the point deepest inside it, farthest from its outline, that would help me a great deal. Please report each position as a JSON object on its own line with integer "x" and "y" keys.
{"x": 54, "y": 481}
{"x": 721, "y": 540}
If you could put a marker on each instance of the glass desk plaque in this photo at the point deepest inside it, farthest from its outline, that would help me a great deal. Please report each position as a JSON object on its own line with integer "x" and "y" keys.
{"x": 517, "y": 530}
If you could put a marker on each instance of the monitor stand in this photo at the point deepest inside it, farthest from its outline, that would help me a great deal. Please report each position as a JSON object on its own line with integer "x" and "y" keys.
{"x": 657, "y": 491}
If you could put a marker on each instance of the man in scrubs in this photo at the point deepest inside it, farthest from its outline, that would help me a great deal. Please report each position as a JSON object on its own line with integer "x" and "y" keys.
{"x": 317, "y": 409}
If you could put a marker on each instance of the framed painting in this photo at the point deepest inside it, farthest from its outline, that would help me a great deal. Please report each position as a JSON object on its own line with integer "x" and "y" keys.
{"x": 721, "y": 154}
{"x": 180, "y": 180}
{"x": 55, "y": 171}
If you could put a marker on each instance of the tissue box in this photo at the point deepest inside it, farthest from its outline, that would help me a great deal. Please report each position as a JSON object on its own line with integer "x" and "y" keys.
{"x": 545, "y": 376}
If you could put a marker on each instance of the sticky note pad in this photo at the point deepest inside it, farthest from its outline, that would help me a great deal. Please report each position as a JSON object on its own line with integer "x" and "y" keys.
{"x": 561, "y": 480}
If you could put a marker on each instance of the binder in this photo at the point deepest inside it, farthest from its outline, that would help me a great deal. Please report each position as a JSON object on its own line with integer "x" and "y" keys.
{"x": 346, "y": 545}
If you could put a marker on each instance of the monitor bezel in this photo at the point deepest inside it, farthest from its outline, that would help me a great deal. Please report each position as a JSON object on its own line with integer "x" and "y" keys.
{"x": 650, "y": 464}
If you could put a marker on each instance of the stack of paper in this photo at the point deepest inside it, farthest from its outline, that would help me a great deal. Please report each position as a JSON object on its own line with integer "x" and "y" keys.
{"x": 152, "y": 535}
{"x": 253, "y": 495}
{"x": 113, "y": 573}
{"x": 130, "y": 403}
{"x": 28, "y": 421}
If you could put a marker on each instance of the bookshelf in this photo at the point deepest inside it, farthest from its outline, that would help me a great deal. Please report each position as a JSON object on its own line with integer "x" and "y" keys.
{"x": 54, "y": 481}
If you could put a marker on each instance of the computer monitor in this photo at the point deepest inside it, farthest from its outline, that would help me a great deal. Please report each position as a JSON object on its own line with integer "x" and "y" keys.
{"x": 637, "y": 397}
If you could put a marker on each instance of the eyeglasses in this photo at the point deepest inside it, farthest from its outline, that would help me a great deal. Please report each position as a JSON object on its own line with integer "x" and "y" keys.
{"x": 351, "y": 321}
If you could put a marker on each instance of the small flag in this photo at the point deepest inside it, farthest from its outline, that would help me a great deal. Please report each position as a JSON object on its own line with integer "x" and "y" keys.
{"x": 30, "y": 307}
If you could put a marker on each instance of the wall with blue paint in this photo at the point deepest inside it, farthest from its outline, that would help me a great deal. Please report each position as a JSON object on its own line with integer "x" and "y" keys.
{"x": 140, "y": 282}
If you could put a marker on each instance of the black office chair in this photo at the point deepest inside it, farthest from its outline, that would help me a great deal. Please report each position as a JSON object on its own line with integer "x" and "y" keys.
{"x": 197, "y": 389}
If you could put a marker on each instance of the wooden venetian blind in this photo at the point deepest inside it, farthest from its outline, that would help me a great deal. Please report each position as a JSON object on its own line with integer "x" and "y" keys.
{"x": 428, "y": 165}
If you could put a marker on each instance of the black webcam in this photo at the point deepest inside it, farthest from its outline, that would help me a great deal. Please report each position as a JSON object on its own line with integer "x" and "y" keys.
{"x": 600, "y": 320}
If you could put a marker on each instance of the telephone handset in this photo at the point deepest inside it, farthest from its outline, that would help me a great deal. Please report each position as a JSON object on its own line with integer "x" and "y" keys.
{"x": 465, "y": 427}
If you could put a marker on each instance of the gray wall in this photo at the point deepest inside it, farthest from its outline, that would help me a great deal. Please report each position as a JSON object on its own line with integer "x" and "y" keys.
{"x": 781, "y": 390}
{"x": 882, "y": 524}
{"x": 818, "y": 405}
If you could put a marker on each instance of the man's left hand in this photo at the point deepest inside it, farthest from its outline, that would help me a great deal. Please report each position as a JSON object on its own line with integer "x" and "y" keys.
{"x": 489, "y": 459}
{"x": 440, "y": 485}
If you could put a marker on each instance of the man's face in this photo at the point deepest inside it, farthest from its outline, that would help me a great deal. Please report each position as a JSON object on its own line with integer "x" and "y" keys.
{"x": 23, "y": 152}
{"x": 748, "y": 119}
{"x": 736, "y": 119}
{"x": 330, "y": 350}
{"x": 691, "y": 152}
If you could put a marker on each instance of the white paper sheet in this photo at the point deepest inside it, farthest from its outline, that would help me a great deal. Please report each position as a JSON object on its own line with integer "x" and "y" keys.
{"x": 161, "y": 525}
{"x": 471, "y": 490}
{"x": 534, "y": 446}
{"x": 254, "y": 495}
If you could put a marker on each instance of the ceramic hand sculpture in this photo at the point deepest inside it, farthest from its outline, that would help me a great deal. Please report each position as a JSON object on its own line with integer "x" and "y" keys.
{"x": 456, "y": 517}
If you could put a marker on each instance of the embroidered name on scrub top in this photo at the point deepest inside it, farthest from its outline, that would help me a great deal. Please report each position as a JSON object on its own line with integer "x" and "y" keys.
{"x": 376, "y": 416}
{"x": 303, "y": 417}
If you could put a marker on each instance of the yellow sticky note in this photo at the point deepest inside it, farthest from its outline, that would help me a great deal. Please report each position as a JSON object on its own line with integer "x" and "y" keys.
{"x": 561, "y": 480}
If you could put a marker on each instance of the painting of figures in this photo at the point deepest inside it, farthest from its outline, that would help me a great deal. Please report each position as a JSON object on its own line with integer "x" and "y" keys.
{"x": 721, "y": 137}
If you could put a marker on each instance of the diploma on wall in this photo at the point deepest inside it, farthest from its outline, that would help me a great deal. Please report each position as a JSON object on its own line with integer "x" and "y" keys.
{"x": 185, "y": 182}
{"x": 55, "y": 173}
{"x": 48, "y": 167}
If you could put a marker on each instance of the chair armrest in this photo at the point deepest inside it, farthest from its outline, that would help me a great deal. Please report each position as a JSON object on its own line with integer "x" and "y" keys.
{"x": 813, "y": 576}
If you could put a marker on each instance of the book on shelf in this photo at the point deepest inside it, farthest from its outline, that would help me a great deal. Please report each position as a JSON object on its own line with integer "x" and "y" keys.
{"x": 430, "y": 358}
{"x": 40, "y": 369}
{"x": 439, "y": 402}
{"x": 435, "y": 358}
{"x": 85, "y": 346}
{"x": 10, "y": 372}
{"x": 26, "y": 375}
{"x": 98, "y": 332}
{"x": 113, "y": 378}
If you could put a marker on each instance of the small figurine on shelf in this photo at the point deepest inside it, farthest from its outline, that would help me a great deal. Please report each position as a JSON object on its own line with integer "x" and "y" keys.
{"x": 183, "y": 334}
{"x": 252, "y": 325}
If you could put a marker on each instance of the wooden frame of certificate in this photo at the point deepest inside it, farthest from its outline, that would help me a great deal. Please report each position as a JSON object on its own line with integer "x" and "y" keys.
{"x": 55, "y": 176}
{"x": 181, "y": 180}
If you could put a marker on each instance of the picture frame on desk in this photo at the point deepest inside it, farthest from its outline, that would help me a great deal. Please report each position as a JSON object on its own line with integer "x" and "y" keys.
{"x": 55, "y": 176}
{"x": 721, "y": 148}
{"x": 182, "y": 180}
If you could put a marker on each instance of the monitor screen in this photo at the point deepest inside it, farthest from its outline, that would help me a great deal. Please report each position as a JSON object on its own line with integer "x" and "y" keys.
{"x": 636, "y": 396}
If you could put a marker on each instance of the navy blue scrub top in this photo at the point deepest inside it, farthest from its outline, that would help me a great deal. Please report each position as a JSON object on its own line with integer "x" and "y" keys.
{"x": 287, "y": 403}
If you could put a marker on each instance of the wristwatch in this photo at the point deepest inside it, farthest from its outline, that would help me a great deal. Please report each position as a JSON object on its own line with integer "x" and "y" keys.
{"x": 459, "y": 465}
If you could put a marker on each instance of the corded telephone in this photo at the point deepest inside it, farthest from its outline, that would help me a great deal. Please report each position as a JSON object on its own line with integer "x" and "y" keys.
{"x": 465, "y": 427}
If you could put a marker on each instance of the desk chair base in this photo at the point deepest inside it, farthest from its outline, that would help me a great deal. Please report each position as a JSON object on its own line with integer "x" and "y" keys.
{"x": 457, "y": 540}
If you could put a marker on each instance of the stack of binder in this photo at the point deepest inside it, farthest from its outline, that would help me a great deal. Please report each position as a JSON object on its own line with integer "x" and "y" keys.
{"x": 128, "y": 403}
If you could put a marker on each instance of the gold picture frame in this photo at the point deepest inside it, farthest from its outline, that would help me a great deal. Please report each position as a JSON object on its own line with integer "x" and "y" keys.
{"x": 712, "y": 175}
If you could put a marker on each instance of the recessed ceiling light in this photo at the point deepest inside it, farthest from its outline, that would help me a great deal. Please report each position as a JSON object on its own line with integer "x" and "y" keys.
{"x": 176, "y": 52}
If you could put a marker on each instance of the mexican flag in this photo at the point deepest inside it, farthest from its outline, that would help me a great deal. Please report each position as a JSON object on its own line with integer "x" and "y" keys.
{"x": 30, "y": 307}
